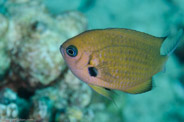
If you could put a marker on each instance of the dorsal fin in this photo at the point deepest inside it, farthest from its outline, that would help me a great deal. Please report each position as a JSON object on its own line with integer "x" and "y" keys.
{"x": 171, "y": 42}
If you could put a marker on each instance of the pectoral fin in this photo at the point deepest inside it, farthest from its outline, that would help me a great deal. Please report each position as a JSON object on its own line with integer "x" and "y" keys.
{"x": 100, "y": 70}
{"x": 140, "y": 88}
{"x": 105, "y": 73}
{"x": 102, "y": 73}
{"x": 103, "y": 91}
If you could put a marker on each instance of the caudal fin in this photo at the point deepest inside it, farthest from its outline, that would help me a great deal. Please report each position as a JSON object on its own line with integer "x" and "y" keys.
{"x": 171, "y": 42}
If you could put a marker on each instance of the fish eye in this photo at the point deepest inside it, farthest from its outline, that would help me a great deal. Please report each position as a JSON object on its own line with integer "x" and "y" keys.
{"x": 71, "y": 51}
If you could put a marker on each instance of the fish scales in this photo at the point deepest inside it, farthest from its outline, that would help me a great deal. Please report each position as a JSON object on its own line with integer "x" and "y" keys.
{"x": 132, "y": 60}
{"x": 128, "y": 45}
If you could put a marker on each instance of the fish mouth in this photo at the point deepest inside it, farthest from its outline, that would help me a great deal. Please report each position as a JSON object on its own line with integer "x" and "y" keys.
{"x": 62, "y": 50}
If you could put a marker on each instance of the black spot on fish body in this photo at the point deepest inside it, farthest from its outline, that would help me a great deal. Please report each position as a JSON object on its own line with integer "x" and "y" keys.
{"x": 93, "y": 71}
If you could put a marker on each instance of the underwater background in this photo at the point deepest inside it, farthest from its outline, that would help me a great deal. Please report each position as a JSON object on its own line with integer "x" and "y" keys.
{"x": 36, "y": 85}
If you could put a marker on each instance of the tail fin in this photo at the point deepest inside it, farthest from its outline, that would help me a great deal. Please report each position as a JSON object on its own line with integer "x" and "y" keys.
{"x": 171, "y": 42}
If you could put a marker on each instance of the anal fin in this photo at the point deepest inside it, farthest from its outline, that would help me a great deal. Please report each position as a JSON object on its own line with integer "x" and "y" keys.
{"x": 140, "y": 88}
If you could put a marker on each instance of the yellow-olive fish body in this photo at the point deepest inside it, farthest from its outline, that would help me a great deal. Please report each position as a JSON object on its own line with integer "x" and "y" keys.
{"x": 120, "y": 59}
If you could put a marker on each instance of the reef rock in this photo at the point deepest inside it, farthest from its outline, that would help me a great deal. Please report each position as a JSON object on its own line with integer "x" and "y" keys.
{"x": 11, "y": 106}
{"x": 64, "y": 101}
{"x": 34, "y": 38}
{"x": 4, "y": 58}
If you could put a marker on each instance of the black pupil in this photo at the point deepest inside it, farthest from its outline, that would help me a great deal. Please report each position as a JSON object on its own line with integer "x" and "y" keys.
{"x": 71, "y": 51}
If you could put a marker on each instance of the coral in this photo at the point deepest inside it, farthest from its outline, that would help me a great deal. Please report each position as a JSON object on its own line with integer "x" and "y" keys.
{"x": 42, "y": 109}
{"x": 3, "y": 25}
{"x": 11, "y": 106}
{"x": 67, "y": 98}
{"x": 74, "y": 21}
{"x": 82, "y": 96}
{"x": 4, "y": 58}
{"x": 34, "y": 38}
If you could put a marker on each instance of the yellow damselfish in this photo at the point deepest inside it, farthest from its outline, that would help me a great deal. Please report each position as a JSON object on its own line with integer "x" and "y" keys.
{"x": 120, "y": 59}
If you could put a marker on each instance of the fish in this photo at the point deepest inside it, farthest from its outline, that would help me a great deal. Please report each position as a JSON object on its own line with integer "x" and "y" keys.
{"x": 117, "y": 58}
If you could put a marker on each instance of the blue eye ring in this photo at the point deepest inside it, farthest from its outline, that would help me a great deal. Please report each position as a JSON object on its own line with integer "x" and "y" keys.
{"x": 71, "y": 51}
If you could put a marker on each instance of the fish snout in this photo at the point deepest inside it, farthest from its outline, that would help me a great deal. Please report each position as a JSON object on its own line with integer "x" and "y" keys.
{"x": 62, "y": 50}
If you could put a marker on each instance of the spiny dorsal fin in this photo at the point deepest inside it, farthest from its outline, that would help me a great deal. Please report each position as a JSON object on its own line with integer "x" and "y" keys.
{"x": 171, "y": 42}
{"x": 140, "y": 88}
